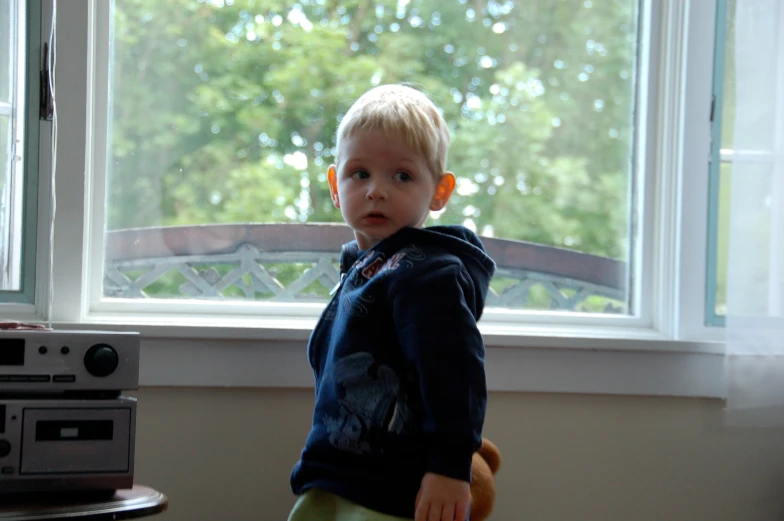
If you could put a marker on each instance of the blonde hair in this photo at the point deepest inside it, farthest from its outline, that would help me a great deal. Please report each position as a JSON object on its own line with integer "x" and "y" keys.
{"x": 403, "y": 111}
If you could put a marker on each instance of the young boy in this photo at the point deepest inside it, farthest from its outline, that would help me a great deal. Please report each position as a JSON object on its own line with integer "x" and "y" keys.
{"x": 397, "y": 356}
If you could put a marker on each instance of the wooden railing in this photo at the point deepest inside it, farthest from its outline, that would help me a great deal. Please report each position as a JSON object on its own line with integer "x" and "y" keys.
{"x": 299, "y": 262}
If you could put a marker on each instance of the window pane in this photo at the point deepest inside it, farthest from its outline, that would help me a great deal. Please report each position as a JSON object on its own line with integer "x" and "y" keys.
{"x": 756, "y": 240}
{"x": 760, "y": 138}
{"x": 224, "y": 113}
{"x": 755, "y": 150}
{"x": 11, "y": 132}
{"x": 728, "y": 103}
{"x": 6, "y": 50}
{"x": 756, "y": 221}
{"x": 723, "y": 235}
{"x": 5, "y": 150}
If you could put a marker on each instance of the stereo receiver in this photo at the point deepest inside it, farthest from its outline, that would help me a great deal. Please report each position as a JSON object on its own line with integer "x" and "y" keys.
{"x": 56, "y": 361}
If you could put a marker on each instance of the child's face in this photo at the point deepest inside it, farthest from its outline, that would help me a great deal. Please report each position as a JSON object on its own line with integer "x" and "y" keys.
{"x": 382, "y": 185}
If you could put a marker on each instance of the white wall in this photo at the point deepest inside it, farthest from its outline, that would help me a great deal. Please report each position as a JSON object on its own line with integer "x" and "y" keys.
{"x": 226, "y": 454}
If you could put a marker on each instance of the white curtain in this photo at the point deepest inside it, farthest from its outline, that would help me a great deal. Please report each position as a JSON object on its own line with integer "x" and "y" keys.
{"x": 754, "y": 360}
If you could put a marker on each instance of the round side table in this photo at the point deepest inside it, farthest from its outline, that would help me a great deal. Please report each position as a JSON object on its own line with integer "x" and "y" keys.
{"x": 132, "y": 503}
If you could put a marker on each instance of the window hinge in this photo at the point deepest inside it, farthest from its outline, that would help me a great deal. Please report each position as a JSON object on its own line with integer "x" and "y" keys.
{"x": 713, "y": 107}
{"x": 46, "y": 109}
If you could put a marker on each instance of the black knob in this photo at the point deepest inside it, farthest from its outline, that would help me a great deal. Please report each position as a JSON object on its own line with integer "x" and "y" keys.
{"x": 101, "y": 360}
{"x": 5, "y": 448}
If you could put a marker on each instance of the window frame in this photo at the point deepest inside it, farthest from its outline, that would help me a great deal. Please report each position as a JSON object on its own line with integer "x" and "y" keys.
{"x": 693, "y": 206}
{"x": 97, "y": 306}
{"x": 667, "y": 351}
{"x": 716, "y": 159}
{"x": 34, "y": 136}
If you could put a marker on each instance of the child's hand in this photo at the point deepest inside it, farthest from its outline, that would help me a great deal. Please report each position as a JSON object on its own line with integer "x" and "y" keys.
{"x": 441, "y": 498}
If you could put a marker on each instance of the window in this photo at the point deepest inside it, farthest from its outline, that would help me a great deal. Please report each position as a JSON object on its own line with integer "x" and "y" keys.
{"x": 175, "y": 225}
{"x": 19, "y": 25}
{"x": 221, "y": 122}
{"x": 728, "y": 151}
{"x": 120, "y": 234}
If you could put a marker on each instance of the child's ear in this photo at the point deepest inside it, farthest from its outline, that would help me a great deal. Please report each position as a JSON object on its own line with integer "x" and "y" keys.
{"x": 332, "y": 177}
{"x": 444, "y": 188}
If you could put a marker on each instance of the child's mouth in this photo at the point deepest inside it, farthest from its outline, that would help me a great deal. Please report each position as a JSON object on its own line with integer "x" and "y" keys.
{"x": 375, "y": 218}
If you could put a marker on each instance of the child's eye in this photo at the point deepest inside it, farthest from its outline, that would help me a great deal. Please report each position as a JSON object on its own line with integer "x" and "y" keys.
{"x": 404, "y": 177}
{"x": 360, "y": 174}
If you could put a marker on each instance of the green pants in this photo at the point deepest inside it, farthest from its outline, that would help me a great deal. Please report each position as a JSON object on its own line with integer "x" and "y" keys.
{"x": 318, "y": 505}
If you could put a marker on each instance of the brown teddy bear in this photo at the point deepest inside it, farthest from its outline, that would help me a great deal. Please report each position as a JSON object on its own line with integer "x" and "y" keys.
{"x": 484, "y": 465}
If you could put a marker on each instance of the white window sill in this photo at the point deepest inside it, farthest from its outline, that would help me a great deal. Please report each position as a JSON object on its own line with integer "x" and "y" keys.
{"x": 272, "y": 353}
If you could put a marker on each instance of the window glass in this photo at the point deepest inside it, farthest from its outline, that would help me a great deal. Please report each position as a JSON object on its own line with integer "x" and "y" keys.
{"x": 222, "y": 124}
{"x": 12, "y": 104}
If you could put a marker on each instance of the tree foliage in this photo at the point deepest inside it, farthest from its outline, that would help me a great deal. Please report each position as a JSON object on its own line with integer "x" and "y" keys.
{"x": 225, "y": 111}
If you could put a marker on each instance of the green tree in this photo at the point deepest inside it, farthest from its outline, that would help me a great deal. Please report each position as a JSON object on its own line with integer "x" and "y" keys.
{"x": 226, "y": 111}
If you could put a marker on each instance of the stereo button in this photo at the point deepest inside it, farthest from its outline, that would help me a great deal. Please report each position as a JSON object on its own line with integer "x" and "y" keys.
{"x": 101, "y": 360}
{"x": 64, "y": 378}
{"x": 5, "y": 448}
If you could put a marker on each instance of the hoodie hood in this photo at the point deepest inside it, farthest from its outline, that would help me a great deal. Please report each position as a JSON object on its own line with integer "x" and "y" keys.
{"x": 454, "y": 239}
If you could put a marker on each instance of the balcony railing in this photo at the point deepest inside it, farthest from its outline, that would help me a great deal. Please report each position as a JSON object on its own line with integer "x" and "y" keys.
{"x": 299, "y": 263}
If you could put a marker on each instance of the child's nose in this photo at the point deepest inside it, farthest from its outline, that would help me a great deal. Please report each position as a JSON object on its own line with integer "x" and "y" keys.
{"x": 376, "y": 191}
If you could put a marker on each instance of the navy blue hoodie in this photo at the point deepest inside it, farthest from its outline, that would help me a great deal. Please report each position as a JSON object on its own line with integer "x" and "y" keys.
{"x": 399, "y": 368}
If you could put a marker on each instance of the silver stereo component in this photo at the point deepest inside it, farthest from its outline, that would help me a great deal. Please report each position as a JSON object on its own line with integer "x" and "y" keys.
{"x": 64, "y": 426}
{"x": 67, "y": 445}
{"x": 56, "y": 361}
